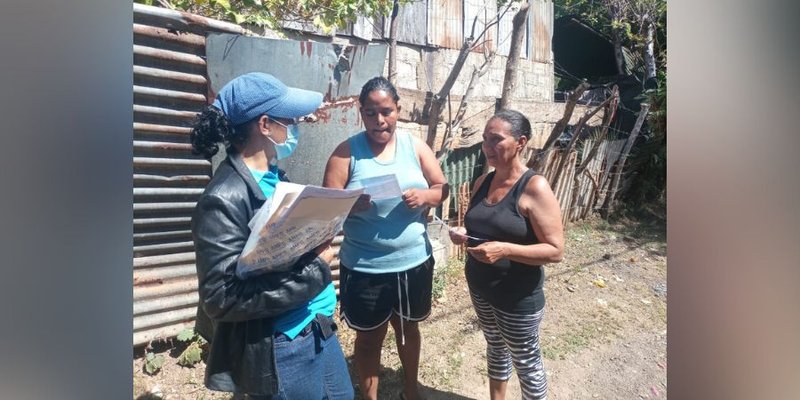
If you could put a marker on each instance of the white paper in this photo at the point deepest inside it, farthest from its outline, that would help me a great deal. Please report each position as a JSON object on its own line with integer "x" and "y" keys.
{"x": 381, "y": 187}
{"x": 297, "y": 219}
{"x": 439, "y": 221}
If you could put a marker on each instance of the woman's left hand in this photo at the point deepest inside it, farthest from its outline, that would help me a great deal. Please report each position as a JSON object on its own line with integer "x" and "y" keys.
{"x": 489, "y": 252}
{"x": 414, "y": 198}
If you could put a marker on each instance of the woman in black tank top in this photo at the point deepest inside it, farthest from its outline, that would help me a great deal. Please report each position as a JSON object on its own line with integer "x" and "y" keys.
{"x": 512, "y": 227}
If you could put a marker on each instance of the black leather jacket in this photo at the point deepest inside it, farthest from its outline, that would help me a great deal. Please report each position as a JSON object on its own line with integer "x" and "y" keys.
{"x": 237, "y": 316}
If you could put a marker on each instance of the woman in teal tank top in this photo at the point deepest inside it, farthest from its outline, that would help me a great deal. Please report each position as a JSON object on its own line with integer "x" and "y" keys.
{"x": 386, "y": 257}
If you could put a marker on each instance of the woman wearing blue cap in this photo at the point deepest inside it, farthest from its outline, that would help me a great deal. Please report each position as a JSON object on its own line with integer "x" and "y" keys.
{"x": 272, "y": 335}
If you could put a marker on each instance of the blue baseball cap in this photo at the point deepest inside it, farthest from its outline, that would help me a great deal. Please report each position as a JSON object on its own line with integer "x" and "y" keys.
{"x": 256, "y": 93}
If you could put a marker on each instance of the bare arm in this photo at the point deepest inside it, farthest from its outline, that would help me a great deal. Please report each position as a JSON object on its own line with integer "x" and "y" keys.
{"x": 337, "y": 170}
{"x": 540, "y": 205}
{"x": 438, "y": 189}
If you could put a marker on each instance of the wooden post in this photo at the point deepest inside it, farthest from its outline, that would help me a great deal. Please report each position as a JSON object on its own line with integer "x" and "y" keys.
{"x": 578, "y": 128}
{"x": 518, "y": 24}
{"x": 608, "y": 207}
{"x": 392, "y": 75}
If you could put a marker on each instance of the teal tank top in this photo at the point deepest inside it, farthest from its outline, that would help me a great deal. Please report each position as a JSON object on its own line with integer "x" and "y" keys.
{"x": 292, "y": 322}
{"x": 390, "y": 236}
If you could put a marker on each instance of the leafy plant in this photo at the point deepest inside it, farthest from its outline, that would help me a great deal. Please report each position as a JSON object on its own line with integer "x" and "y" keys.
{"x": 649, "y": 158}
{"x": 153, "y": 363}
{"x": 325, "y": 14}
{"x": 193, "y": 353}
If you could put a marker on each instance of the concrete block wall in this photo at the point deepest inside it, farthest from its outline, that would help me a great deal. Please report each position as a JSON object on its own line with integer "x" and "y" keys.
{"x": 426, "y": 69}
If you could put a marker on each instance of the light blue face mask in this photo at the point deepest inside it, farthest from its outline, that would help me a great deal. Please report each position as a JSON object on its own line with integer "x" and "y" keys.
{"x": 285, "y": 149}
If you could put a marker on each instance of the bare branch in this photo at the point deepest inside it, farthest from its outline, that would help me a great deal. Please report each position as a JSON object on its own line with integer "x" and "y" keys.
{"x": 575, "y": 136}
{"x": 453, "y": 128}
{"x": 608, "y": 206}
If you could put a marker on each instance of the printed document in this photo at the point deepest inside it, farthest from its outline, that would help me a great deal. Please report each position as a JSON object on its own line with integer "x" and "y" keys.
{"x": 381, "y": 187}
{"x": 296, "y": 220}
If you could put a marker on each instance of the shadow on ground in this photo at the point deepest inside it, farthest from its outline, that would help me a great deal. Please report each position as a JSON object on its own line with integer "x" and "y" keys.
{"x": 391, "y": 384}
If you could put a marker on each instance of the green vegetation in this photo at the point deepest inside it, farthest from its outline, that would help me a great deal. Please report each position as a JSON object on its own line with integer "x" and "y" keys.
{"x": 445, "y": 274}
{"x": 153, "y": 363}
{"x": 194, "y": 351}
{"x": 324, "y": 14}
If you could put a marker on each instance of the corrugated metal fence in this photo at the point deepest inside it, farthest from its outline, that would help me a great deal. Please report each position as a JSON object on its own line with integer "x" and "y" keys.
{"x": 169, "y": 88}
{"x": 172, "y": 84}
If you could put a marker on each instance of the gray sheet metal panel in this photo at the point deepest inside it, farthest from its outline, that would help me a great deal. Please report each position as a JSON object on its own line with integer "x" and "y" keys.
{"x": 169, "y": 89}
{"x": 318, "y": 140}
{"x": 412, "y": 22}
{"x": 335, "y": 70}
{"x": 486, "y": 12}
{"x": 362, "y": 28}
{"x": 541, "y": 31}
{"x": 504, "y": 32}
{"x": 445, "y": 23}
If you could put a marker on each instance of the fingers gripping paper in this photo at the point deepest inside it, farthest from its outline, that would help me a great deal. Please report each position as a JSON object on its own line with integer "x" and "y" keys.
{"x": 296, "y": 220}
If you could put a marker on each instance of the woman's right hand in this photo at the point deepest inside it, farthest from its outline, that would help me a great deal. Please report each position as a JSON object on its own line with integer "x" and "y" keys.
{"x": 325, "y": 251}
{"x": 363, "y": 203}
{"x": 458, "y": 235}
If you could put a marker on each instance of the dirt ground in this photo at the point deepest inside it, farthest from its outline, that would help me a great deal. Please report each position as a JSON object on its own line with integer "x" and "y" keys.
{"x": 604, "y": 333}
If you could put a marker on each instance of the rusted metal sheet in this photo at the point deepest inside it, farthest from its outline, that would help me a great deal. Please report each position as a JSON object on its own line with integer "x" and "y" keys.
{"x": 161, "y": 34}
{"x": 335, "y": 70}
{"x": 166, "y": 191}
{"x": 158, "y": 274}
{"x": 168, "y": 55}
{"x": 156, "y": 73}
{"x": 153, "y": 223}
{"x": 181, "y": 21}
{"x": 148, "y": 335}
{"x": 147, "y": 306}
{"x": 169, "y": 90}
{"x": 541, "y": 31}
{"x": 318, "y": 141}
{"x": 149, "y": 290}
{"x": 163, "y": 260}
{"x": 169, "y": 162}
{"x": 146, "y": 145}
{"x": 165, "y": 112}
{"x": 139, "y": 127}
{"x": 168, "y": 94}
{"x": 152, "y": 249}
{"x": 160, "y": 236}
{"x": 481, "y": 13}
{"x": 186, "y": 206}
{"x": 445, "y": 23}
{"x": 164, "y": 317}
{"x": 145, "y": 179}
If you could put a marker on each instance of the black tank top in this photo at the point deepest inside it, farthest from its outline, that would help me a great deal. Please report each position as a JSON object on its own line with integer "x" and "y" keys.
{"x": 508, "y": 285}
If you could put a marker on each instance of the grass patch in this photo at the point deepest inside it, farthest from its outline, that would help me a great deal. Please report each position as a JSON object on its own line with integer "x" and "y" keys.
{"x": 445, "y": 274}
{"x": 570, "y": 342}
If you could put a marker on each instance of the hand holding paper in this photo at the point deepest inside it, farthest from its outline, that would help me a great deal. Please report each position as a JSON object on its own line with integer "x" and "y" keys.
{"x": 381, "y": 187}
{"x": 298, "y": 219}
{"x": 459, "y": 233}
